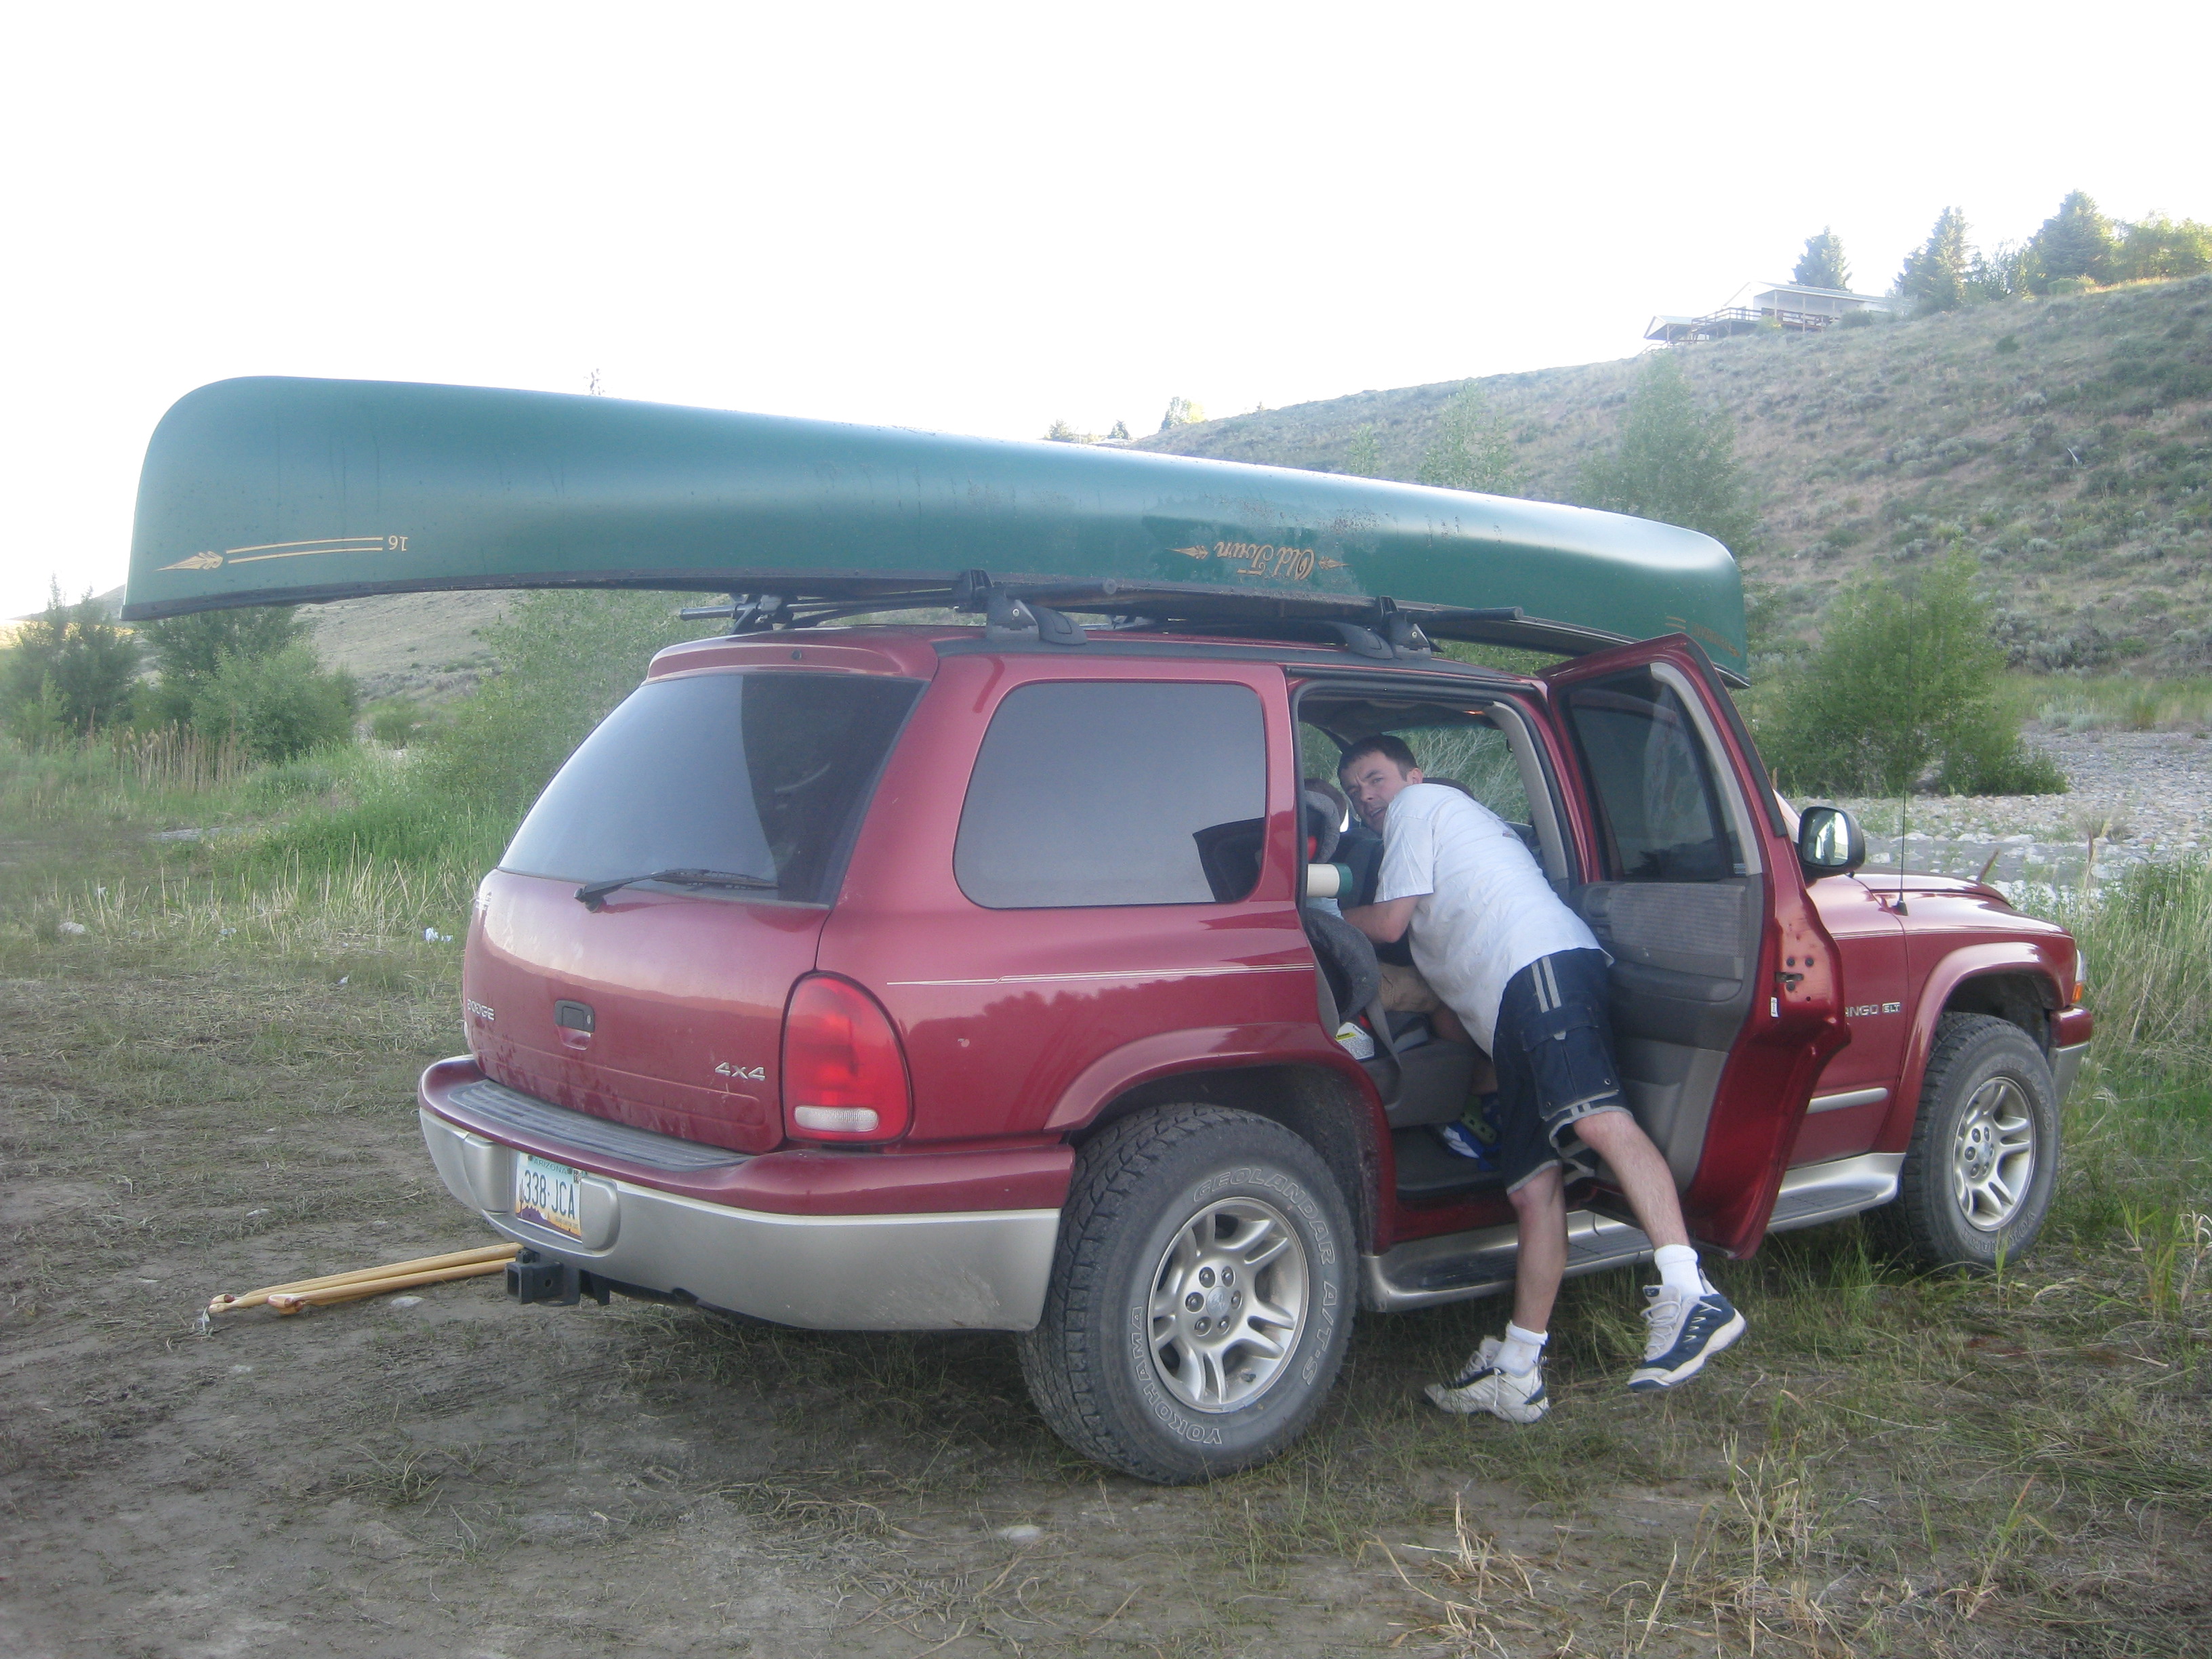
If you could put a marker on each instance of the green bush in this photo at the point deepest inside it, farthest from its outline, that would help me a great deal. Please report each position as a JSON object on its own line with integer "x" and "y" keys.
{"x": 276, "y": 705}
{"x": 561, "y": 662}
{"x": 1904, "y": 688}
{"x": 70, "y": 671}
{"x": 395, "y": 723}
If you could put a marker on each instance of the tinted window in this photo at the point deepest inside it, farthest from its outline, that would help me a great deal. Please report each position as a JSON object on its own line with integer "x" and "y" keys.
{"x": 1654, "y": 784}
{"x": 1092, "y": 793}
{"x": 760, "y": 775}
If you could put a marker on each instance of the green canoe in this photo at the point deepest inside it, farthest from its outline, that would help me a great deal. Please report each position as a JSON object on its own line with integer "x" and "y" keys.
{"x": 269, "y": 491}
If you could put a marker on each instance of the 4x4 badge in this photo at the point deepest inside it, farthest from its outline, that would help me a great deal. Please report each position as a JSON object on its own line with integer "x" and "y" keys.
{"x": 750, "y": 1073}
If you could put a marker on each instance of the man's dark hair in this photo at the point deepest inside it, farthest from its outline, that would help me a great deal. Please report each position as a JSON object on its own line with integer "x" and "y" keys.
{"x": 1392, "y": 749}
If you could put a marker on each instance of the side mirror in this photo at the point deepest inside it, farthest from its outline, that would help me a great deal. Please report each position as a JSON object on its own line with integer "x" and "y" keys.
{"x": 1829, "y": 842}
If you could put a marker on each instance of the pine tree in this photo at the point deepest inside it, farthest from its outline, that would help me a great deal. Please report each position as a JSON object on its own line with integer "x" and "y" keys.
{"x": 70, "y": 670}
{"x": 1676, "y": 461}
{"x": 1364, "y": 460}
{"x": 1121, "y": 432}
{"x": 1824, "y": 265}
{"x": 1935, "y": 278}
{"x": 2075, "y": 242}
{"x": 1473, "y": 450}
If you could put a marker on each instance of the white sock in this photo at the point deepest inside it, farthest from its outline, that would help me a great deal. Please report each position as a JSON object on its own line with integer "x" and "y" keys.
{"x": 1521, "y": 1350}
{"x": 1678, "y": 1269}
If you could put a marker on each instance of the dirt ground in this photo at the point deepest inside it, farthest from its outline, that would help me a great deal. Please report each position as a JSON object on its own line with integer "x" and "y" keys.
{"x": 1883, "y": 1467}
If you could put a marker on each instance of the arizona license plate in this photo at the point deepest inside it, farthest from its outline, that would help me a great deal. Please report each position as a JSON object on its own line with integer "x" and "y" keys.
{"x": 551, "y": 1194}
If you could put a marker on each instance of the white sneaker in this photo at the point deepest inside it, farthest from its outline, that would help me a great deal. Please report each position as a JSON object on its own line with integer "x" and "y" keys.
{"x": 1686, "y": 1331}
{"x": 1481, "y": 1387}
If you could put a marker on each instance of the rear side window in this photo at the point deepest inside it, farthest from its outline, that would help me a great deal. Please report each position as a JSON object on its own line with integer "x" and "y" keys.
{"x": 1089, "y": 793}
{"x": 762, "y": 775}
{"x": 1653, "y": 780}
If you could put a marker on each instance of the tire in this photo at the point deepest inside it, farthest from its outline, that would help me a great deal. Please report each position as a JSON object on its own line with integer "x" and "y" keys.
{"x": 1118, "y": 1365}
{"x": 1983, "y": 1158}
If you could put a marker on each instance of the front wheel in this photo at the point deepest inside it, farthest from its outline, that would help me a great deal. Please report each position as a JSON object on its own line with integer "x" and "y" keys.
{"x": 1983, "y": 1158}
{"x": 1202, "y": 1295}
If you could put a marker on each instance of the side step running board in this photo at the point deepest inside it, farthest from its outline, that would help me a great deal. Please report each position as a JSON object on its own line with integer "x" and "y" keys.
{"x": 1461, "y": 1265}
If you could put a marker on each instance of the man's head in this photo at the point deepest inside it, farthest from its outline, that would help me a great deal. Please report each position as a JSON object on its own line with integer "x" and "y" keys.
{"x": 1373, "y": 771}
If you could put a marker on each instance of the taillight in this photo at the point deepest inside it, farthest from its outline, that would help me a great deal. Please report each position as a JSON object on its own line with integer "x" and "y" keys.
{"x": 844, "y": 1076}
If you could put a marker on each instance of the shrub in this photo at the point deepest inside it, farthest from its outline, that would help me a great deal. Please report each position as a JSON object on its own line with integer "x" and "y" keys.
{"x": 561, "y": 662}
{"x": 1676, "y": 461}
{"x": 71, "y": 670}
{"x": 187, "y": 651}
{"x": 276, "y": 705}
{"x": 395, "y": 723}
{"x": 1904, "y": 688}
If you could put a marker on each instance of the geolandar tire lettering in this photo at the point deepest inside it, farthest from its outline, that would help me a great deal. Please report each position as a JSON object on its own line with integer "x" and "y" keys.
{"x": 1202, "y": 1295}
{"x": 1983, "y": 1161}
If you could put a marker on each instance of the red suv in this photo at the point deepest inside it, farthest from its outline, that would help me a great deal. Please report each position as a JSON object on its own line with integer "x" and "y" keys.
{"x": 914, "y": 978}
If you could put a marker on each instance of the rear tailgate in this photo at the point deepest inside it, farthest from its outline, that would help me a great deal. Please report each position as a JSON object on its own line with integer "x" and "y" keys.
{"x": 721, "y": 805}
{"x": 662, "y": 1011}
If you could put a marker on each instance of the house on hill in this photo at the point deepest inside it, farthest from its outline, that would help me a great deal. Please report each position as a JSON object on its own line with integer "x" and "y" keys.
{"x": 1790, "y": 306}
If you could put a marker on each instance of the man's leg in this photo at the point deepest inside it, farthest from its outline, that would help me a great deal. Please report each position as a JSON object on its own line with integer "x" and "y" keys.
{"x": 1506, "y": 1377}
{"x": 1540, "y": 1205}
{"x": 1690, "y": 1320}
{"x": 1645, "y": 1180}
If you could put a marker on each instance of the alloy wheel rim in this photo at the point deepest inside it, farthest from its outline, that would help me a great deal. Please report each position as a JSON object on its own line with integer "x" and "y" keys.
{"x": 1993, "y": 1155}
{"x": 1228, "y": 1302}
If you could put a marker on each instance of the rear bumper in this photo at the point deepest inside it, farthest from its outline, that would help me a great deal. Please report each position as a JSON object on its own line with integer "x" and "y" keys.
{"x": 963, "y": 1270}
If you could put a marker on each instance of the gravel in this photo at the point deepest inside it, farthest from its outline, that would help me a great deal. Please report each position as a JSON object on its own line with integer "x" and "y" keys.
{"x": 2144, "y": 796}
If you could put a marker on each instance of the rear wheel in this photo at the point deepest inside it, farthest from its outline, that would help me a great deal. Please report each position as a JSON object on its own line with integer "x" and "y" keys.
{"x": 1983, "y": 1158}
{"x": 1202, "y": 1295}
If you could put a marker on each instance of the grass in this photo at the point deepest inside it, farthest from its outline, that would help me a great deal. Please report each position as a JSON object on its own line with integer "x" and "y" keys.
{"x": 1894, "y": 1463}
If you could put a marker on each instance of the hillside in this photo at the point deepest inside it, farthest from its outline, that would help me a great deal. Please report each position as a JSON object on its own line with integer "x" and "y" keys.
{"x": 2066, "y": 442}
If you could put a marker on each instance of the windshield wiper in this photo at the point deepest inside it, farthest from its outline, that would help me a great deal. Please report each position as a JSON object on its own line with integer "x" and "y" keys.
{"x": 592, "y": 893}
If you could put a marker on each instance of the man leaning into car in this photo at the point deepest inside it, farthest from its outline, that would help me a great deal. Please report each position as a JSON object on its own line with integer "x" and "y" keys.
{"x": 1525, "y": 976}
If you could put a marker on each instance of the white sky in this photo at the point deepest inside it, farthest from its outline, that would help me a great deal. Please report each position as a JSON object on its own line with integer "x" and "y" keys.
{"x": 979, "y": 218}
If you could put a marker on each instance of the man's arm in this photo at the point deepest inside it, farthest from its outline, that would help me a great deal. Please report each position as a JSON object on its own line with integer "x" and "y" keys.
{"x": 1385, "y": 923}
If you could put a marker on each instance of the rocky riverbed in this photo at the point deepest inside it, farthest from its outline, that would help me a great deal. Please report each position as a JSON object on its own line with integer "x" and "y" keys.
{"x": 2141, "y": 796}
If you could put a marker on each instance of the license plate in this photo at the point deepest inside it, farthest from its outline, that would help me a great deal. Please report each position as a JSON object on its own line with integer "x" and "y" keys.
{"x": 550, "y": 1195}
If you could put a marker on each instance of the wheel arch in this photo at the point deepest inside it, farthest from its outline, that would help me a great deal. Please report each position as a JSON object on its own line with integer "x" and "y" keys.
{"x": 2012, "y": 981}
{"x": 1340, "y": 1122}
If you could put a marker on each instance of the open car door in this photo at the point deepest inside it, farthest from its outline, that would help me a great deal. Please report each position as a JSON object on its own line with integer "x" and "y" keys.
{"x": 1727, "y": 996}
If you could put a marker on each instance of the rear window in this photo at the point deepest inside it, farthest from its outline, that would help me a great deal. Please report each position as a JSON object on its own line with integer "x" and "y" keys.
{"x": 758, "y": 775}
{"x": 1092, "y": 793}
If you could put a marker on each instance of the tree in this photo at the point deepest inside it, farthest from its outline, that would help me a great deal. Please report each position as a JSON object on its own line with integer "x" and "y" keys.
{"x": 1061, "y": 433}
{"x": 2156, "y": 248}
{"x": 1676, "y": 461}
{"x": 1472, "y": 449}
{"x": 70, "y": 669}
{"x": 1936, "y": 278}
{"x": 275, "y": 705}
{"x": 1824, "y": 265}
{"x": 1182, "y": 411}
{"x": 1364, "y": 460}
{"x": 2075, "y": 242}
{"x": 1904, "y": 681}
{"x": 561, "y": 661}
{"x": 187, "y": 651}
{"x": 1120, "y": 435}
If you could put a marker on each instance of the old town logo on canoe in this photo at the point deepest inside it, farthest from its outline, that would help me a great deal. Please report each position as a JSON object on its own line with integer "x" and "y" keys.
{"x": 214, "y": 561}
{"x": 1264, "y": 559}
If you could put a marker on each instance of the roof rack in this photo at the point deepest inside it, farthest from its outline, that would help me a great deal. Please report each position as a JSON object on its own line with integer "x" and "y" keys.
{"x": 1039, "y": 612}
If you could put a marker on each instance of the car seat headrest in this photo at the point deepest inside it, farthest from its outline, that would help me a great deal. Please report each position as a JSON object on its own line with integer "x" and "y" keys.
{"x": 1323, "y": 824}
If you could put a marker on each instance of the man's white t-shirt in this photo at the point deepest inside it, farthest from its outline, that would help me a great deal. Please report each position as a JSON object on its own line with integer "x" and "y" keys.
{"x": 1486, "y": 910}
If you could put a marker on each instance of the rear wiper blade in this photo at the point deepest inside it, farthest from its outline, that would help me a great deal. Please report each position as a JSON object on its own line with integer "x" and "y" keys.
{"x": 592, "y": 893}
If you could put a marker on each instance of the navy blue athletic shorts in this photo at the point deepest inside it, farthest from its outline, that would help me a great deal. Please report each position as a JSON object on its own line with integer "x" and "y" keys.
{"x": 1554, "y": 1052}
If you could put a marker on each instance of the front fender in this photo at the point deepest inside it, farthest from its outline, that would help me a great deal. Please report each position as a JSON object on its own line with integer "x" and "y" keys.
{"x": 2024, "y": 956}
